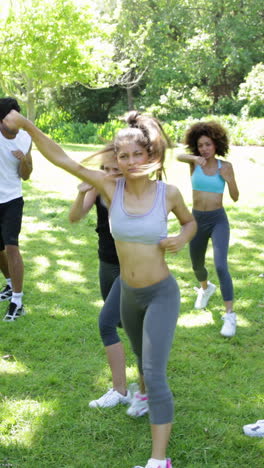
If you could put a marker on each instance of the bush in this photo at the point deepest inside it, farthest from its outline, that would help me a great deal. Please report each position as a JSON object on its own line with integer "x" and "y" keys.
{"x": 107, "y": 131}
{"x": 227, "y": 105}
{"x": 57, "y": 126}
{"x": 251, "y": 92}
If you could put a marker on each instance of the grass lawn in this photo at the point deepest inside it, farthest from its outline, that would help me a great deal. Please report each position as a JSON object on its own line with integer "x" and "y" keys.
{"x": 52, "y": 361}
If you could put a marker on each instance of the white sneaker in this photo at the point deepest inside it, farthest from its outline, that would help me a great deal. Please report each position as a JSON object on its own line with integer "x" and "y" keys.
{"x": 149, "y": 465}
{"x": 110, "y": 399}
{"x": 255, "y": 430}
{"x": 204, "y": 295}
{"x": 139, "y": 405}
{"x": 229, "y": 327}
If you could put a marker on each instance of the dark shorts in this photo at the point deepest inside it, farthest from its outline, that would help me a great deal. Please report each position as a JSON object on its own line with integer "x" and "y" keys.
{"x": 10, "y": 222}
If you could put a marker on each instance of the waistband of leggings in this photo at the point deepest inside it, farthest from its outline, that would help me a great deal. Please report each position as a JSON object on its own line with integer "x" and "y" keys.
{"x": 212, "y": 212}
{"x": 168, "y": 279}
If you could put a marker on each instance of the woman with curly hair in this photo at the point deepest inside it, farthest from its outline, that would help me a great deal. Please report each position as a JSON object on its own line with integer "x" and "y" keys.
{"x": 209, "y": 175}
{"x": 138, "y": 211}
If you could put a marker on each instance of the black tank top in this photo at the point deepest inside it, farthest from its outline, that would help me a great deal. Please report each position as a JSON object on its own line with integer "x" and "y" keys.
{"x": 106, "y": 251}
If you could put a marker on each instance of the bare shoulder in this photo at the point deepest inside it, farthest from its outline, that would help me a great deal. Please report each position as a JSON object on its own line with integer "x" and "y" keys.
{"x": 225, "y": 163}
{"x": 172, "y": 191}
{"x": 109, "y": 187}
{"x": 173, "y": 196}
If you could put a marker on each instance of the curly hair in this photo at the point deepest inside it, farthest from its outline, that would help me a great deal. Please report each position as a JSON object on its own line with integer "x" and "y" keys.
{"x": 6, "y": 105}
{"x": 211, "y": 129}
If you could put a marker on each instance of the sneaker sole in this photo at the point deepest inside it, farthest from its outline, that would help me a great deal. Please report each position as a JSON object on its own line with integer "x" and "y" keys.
{"x": 6, "y": 299}
{"x": 14, "y": 318}
{"x": 139, "y": 414}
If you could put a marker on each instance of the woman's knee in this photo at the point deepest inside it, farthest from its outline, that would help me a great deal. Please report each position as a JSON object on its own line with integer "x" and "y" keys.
{"x": 222, "y": 271}
{"x": 108, "y": 333}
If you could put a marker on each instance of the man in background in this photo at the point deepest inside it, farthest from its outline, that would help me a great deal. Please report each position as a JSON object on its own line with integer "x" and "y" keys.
{"x": 15, "y": 164}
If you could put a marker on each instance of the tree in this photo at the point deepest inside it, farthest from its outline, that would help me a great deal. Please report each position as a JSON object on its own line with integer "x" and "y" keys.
{"x": 46, "y": 44}
{"x": 87, "y": 104}
{"x": 189, "y": 45}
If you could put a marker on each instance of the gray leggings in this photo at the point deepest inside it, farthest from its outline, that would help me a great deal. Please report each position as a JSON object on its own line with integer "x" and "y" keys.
{"x": 212, "y": 224}
{"x": 149, "y": 316}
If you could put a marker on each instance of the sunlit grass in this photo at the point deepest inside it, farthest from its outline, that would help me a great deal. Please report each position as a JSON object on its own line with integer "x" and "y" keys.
{"x": 21, "y": 420}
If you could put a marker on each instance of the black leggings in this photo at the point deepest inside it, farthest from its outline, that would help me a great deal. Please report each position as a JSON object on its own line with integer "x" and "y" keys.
{"x": 212, "y": 224}
{"x": 109, "y": 318}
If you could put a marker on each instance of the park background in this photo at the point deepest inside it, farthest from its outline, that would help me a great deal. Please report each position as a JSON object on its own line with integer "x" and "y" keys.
{"x": 76, "y": 67}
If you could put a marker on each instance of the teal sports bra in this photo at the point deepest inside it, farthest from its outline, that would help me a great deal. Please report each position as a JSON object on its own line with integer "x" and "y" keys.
{"x": 208, "y": 183}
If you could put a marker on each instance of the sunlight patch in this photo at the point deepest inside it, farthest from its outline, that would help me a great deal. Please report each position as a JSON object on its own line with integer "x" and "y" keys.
{"x": 62, "y": 312}
{"x": 37, "y": 226}
{"x": 78, "y": 241}
{"x": 98, "y": 303}
{"x": 132, "y": 372}
{"x": 69, "y": 263}
{"x": 21, "y": 419}
{"x": 70, "y": 277}
{"x": 243, "y": 322}
{"x": 62, "y": 253}
{"x": 9, "y": 365}
{"x": 193, "y": 320}
{"x": 45, "y": 287}
{"x": 42, "y": 264}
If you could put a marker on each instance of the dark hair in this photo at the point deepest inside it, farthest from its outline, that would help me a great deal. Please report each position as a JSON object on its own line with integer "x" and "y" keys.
{"x": 147, "y": 132}
{"x": 6, "y": 105}
{"x": 211, "y": 129}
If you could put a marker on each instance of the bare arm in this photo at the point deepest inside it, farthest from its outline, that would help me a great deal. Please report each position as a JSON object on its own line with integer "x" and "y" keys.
{"x": 185, "y": 218}
{"x": 83, "y": 202}
{"x": 227, "y": 173}
{"x": 25, "y": 166}
{"x": 192, "y": 159}
{"x": 54, "y": 153}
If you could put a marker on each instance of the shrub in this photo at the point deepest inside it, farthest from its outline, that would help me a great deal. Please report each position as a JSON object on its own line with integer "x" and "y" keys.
{"x": 251, "y": 92}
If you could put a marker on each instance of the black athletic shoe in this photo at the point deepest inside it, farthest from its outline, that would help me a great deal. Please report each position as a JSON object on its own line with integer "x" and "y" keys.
{"x": 13, "y": 312}
{"x": 6, "y": 293}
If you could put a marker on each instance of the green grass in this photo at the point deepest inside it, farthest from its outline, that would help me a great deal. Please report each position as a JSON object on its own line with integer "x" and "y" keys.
{"x": 52, "y": 361}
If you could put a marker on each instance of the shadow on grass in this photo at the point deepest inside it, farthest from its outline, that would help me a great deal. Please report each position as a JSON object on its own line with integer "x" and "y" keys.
{"x": 55, "y": 361}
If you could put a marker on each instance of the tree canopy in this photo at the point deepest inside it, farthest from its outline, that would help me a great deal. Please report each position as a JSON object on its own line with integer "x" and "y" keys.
{"x": 176, "y": 55}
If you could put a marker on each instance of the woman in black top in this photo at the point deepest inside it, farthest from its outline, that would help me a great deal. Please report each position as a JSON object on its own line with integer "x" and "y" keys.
{"x": 109, "y": 318}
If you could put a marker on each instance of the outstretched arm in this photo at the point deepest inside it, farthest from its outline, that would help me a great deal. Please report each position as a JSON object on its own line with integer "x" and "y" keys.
{"x": 53, "y": 152}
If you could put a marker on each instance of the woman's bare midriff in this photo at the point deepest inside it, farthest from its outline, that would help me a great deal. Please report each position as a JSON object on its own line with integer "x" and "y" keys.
{"x": 141, "y": 265}
{"x": 207, "y": 201}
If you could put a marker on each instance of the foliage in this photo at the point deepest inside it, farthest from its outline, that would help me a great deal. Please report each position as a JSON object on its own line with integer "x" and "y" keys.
{"x": 185, "y": 45}
{"x": 58, "y": 125}
{"x": 48, "y": 44}
{"x": 252, "y": 92}
{"x": 176, "y": 105}
{"x": 181, "y": 58}
{"x": 85, "y": 104}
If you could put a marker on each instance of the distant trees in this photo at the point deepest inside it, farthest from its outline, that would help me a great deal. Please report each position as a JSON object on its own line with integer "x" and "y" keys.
{"x": 46, "y": 44}
{"x": 172, "y": 58}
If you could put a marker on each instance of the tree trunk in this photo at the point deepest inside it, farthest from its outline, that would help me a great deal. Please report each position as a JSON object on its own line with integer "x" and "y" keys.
{"x": 130, "y": 99}
{"x": 31, "y": 111}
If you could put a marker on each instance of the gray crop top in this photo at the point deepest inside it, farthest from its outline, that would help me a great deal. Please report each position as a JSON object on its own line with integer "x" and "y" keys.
{"x": 147, "y": 228}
